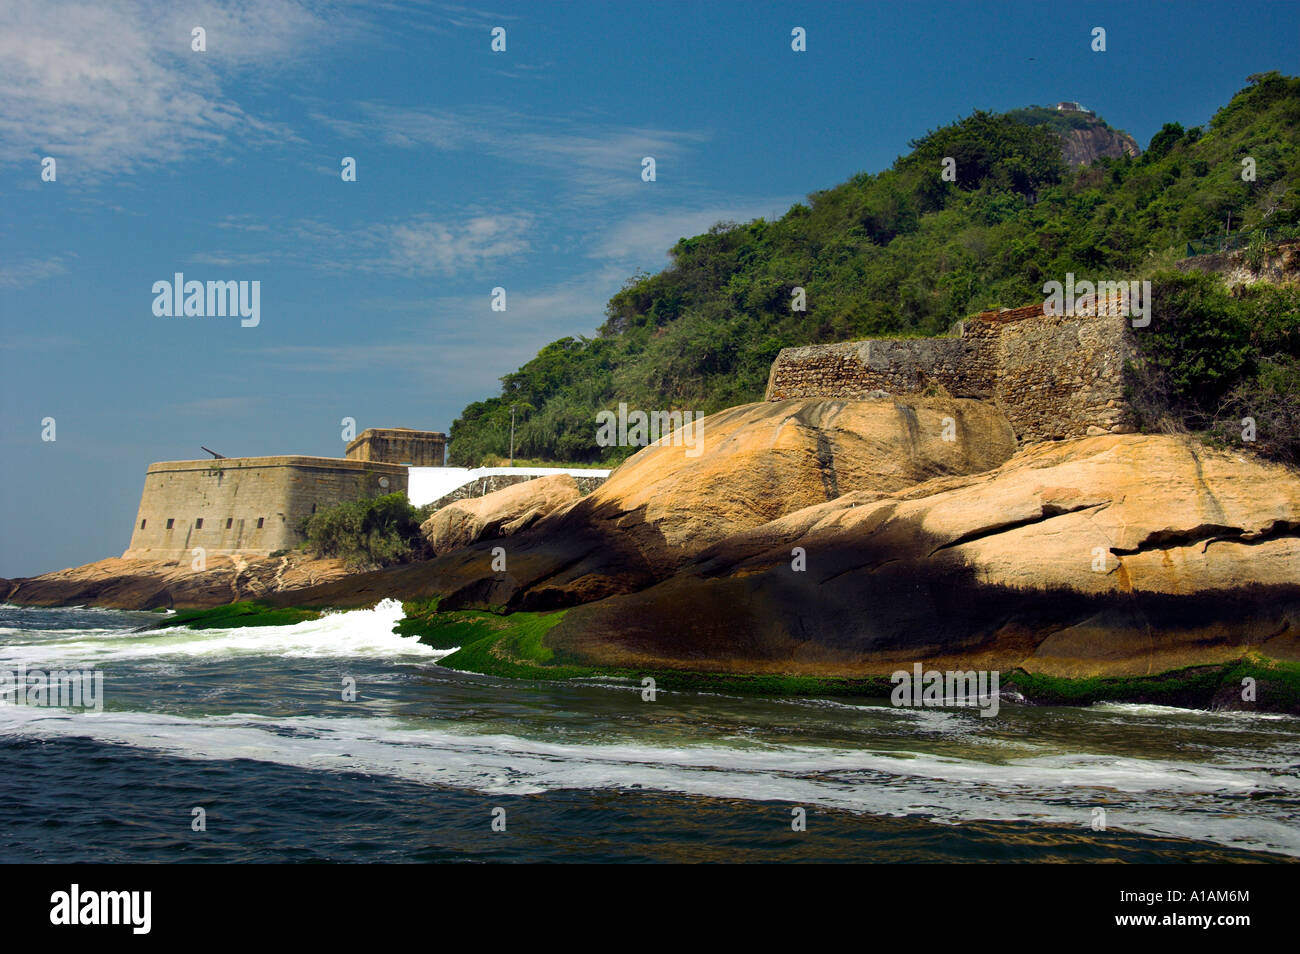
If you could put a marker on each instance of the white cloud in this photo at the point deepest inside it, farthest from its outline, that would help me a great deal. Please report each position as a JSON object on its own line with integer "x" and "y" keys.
{"x": 439, "y": 17}
{"x": 592, "y": 162}
{"x": 112, "y": 88}
{"x": 20, "y": 274}
{"x": 460, "y": 341}
{"x": 229, "y": 260}
{"x": 426, "y": 246}
{"x": 219, "y": 406}
{"x": 419, "y": 245}
{"x": 243, "y": 223}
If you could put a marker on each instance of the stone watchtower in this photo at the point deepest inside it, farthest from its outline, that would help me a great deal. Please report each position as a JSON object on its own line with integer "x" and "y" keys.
{"x": 399, "y": 445}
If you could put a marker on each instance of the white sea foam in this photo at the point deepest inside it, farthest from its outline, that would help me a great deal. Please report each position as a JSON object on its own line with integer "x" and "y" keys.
{"x": 1148, "y": 709}
{"x": 996, "y": 778}
{"x": 367, "y": 632}
{"x": 1148, "y": 795}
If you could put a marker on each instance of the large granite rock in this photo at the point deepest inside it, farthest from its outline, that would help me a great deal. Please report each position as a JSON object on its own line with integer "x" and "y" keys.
{"x": 849, "y": 538}
{"x": 759, "y": 461}
{"x": 149, "y": 584}
{"x": 501, "y": 513}
{"x": 1125, "y": 555}
{"x": 1082, "y": 146}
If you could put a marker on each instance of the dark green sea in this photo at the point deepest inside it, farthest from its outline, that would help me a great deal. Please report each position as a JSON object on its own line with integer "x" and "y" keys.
{"x": 250, "y": 725}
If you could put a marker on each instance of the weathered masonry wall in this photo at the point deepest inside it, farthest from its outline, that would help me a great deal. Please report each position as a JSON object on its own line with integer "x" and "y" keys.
{"x": 1062, "y": 377}
{"x": 246, "y": 505}
{"x": 854, "y": 369}
{"x": 399, "y": 445}
{"x": 1053, "y": 376}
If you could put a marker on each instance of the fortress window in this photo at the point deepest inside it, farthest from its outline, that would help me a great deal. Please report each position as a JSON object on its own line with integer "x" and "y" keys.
{"x": 259, "y": 522}
{"x": 170, "y": 521}
{"x": 198, "y": 524}
{"x": 229, "y": 521}
{"x": 141, "y": 524}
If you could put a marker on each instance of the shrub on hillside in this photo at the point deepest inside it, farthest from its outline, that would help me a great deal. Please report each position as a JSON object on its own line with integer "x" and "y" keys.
{"x": 1197, "y": 345}
{"x": 1210, "y": 360}
{"x": 376, "y": 531}
{"x": 1271, "y": 401}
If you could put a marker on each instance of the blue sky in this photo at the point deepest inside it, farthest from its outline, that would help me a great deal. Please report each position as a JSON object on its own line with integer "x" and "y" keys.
{"x": 475, "y": 169}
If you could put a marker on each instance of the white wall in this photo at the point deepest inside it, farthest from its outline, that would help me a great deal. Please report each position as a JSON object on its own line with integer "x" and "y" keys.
{"x": 427, "y": 484}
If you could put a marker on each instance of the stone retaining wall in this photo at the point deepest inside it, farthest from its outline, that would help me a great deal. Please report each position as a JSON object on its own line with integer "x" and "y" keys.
{"x": 1053, "y": 376}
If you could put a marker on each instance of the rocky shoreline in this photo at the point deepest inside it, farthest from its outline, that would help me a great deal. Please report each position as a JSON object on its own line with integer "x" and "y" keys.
{"x": 117, "y": 583}
{"x": 833, "y": 542}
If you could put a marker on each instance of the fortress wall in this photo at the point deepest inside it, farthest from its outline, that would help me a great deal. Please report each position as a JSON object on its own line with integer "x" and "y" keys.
{"x": 231, "y": 495}
{"x": 1053, "y": 377}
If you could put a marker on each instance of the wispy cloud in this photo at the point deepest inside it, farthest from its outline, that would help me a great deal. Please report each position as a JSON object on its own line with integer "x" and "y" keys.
{"x": 426, "y": 245}
{"x": 229, "y": 260}
{"x": 116, "y": 87}
{"x": 219, "y": 406}
{"x": 590, "y": 160}
{"x": 439, "y": 17}
{"x": 417, "y": 245}
{"x": 20, "y": 274}
{"x": 243, "y": 223}
{"x": 461, "y": 343}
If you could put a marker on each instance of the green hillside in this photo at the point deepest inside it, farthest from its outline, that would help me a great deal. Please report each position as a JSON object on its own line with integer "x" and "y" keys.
{"x": 900, "y": 252}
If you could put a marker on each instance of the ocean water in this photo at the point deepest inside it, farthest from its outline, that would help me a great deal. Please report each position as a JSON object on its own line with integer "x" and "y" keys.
{"x": 251, "y": 726}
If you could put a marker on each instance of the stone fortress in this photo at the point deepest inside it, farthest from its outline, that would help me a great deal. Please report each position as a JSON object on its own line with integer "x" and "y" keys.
{"x": 255, "y": 506}
{"x": 399, "y": 445}
{"x": 1053, "y": 376}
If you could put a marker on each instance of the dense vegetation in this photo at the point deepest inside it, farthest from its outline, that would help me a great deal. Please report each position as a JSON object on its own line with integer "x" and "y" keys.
{"x": 1211, "y": 360}
{"x": 373, "y": 531}
{"x": 903, "y": 252}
